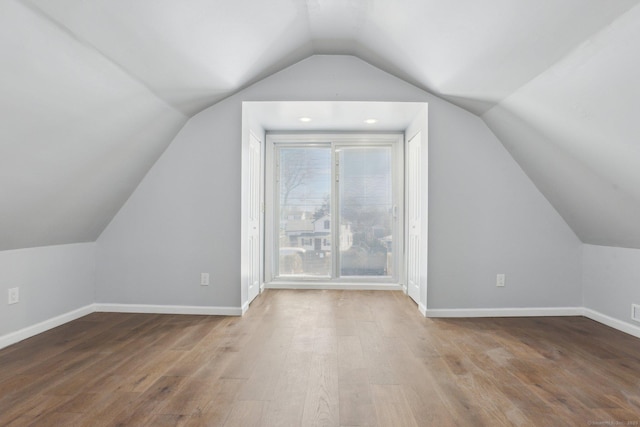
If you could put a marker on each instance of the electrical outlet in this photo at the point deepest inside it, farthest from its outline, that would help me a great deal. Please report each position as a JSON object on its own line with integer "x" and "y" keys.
{"x": 13, "y": 296}
{"x": 500, "y": 280}
{"x": 635, "y": 312}
{"x": 204, "y": 279}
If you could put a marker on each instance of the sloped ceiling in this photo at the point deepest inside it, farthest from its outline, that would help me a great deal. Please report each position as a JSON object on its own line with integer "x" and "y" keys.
{"x": 575, "y": 130}
{"x": 94, "y": 91}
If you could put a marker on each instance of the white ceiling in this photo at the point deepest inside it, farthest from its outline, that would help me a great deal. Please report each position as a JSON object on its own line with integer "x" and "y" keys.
{"x": 325, "y": 116}
{"x": 93, "y": 91}
{"x": 585, "y": 110}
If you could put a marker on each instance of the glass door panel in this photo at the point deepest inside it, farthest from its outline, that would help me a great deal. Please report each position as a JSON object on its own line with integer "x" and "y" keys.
{"x": 366, "y": 211}
{"x": 304, "y": 232}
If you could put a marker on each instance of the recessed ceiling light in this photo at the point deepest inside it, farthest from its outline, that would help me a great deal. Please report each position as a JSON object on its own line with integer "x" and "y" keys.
{"x": 305, "y": 119}
{"x": 371, "y": 121}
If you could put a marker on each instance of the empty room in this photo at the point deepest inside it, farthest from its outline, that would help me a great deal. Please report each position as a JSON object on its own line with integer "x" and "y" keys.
{"x": 320, "y": 213}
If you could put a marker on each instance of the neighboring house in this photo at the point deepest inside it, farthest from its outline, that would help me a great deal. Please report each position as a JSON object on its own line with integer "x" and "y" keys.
{"x": 315, "y": 234}
{"x": 297, "y": 232}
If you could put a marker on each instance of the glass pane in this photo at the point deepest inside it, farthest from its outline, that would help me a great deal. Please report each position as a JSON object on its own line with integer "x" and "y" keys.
{"x": 305, "y": 215}
{"x": 366, "y": 211}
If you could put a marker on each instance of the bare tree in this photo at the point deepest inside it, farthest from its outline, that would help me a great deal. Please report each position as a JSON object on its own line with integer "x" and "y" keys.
{"x": 296, "y": 168}
{"x": 324, "y": 209}
{"x": 294, "y": 172}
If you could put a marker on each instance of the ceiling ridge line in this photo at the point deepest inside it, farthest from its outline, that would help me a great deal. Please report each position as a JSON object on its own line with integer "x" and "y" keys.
{"x": 88, "y": 45}
{"x": 410, "y": 81}
{"x": 303, "y": 6}
{"x": 568, "y": 54}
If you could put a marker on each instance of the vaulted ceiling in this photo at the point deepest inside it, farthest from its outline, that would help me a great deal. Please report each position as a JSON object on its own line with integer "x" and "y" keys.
{"x": 94, "y": 91}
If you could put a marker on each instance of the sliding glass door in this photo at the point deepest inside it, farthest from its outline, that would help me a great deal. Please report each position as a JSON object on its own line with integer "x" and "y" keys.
{"x": 365, "y": 201}
{"x": 335, "y": 208}
{"x": 304, "y": 232}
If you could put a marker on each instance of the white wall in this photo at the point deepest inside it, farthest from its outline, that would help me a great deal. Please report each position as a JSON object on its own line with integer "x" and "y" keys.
{"x": 486, "y": 217}
{"x": 53, "y": 281}
{"x": 611, "y": 281}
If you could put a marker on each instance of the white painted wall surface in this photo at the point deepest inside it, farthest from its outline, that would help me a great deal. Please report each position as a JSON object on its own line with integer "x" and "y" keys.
{"x": 486, "y": 217}
{"x": 611, "y": 281}
{"x": 53, "y": 281}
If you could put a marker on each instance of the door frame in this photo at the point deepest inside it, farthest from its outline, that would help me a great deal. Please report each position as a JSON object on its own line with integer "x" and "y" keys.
{"x": 413, "y": 187}
{"x": 256, "y": 168}
{"x": 408, "y": 117}
{"x": 333, "y": 139}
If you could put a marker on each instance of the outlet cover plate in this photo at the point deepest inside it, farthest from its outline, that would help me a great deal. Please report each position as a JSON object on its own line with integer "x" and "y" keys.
{"x": 204, "y": 279}
{"x": 13, "y": 296}
{"x": 500, "y": 280}
{"x": 635, "y": 312}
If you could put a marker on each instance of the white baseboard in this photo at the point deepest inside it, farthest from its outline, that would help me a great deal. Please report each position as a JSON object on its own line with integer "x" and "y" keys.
{"x": 423, "y": 309}
{"x": 28, "y": 332}
{"x": 610, "y": 321}
{"x": 38, "y": 328}
{"x": 168, "y": 309}
{"x": 245, "y": 307}
{"x": 620, "y": 325}
{"x": 505, "y": 312}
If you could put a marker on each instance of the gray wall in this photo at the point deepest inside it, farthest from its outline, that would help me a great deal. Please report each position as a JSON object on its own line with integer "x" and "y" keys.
{"x": 611, "y": 280}
{"x": 53, "y": 280}
{"x": 486, "y": 217}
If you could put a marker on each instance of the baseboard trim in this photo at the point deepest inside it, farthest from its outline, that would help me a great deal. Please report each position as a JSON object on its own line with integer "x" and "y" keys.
{"x": 168, "y": 309}
{"x": 30, "y": 331}
{"x": 245, "y": 307}
{"x": 38, "y": 328}
{"x": 505, "y": 312}
{"x": 423, "y": 309}
{"x": 54, "y": 322}
{"x": 612, "y": 322}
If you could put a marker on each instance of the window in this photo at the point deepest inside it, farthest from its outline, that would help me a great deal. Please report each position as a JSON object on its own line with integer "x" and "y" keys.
{"x": 343, "y": 193}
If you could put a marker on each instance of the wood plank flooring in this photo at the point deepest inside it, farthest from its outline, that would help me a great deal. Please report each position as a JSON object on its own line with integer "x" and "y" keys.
{"x": 322, "y": 358}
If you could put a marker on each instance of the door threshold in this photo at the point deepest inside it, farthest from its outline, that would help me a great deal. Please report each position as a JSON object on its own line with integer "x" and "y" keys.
{"x": 364, "y": 286}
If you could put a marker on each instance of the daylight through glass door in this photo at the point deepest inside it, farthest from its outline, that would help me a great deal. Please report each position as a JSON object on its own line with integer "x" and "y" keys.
{"x": 366, "y": 211}
{"x": 336, "y": 211}
{"x": 304, "y": 237}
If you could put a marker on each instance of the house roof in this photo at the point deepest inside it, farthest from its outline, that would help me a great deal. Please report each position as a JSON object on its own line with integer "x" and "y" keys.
{"x": 93, "y": 92}
{"x": 299, "y": 225}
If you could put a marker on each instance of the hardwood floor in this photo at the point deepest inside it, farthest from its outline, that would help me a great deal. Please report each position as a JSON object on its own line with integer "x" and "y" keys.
{"x": 322, "y": 358}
